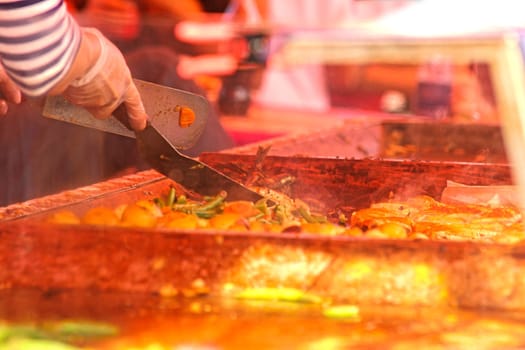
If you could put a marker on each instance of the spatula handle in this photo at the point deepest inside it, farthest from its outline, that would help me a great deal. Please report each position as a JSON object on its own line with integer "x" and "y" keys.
{"x": 57, "y": 107}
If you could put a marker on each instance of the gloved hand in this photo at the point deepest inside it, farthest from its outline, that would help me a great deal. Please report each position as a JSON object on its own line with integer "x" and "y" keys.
{"x": 9, "y": 92}
{"x": 100, "y": 80}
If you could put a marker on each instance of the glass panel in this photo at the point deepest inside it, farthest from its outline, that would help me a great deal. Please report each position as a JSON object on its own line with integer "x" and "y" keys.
{"x": 437, "y": 89}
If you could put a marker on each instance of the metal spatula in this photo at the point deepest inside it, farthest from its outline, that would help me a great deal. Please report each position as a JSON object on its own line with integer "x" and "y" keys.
{"x": 155, "y": 146}
{"x": 180, "y": 115}
{"x": 189, "y": 172}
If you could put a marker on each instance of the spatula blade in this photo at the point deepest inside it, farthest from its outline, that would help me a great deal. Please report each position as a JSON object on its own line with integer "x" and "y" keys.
{"x": 190, "y": 173}
{"x": 165, "y": 106}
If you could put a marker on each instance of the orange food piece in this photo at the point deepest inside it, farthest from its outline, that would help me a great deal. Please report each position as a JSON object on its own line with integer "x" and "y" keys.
{"x": 100, "y": 216}
{"x": 186, "y": 117}
{"x": 225, "y": 220}
{"x": 375, "y": 233}
{"x": 177, "y": 219}
{"x": 138, "y": 216}
{"x": 257, "y": 226}
{"x": 243, "y": 208}
{"x": 373, "y": 217}
{"x": 168, "y": 216}
{"x": 63, "y": 217}
{"x": 394, "y": 230}
{"x": 325, "y": 229}
{"x": 353, "y": 231}
{"x": 151, "y": 207}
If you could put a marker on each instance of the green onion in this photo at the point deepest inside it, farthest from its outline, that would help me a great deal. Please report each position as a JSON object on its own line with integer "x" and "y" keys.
{"x": 182, "y": 199}
{"x": 215, "y": 201}
{"x": 342, "y": 311}
{"x": 171, "y": 197}
{"x": 85, "y": 329}
{"x": 280, "y": 294}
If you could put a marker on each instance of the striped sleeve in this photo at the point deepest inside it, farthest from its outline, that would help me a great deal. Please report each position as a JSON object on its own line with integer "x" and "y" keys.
{"x": 38, "y": 42}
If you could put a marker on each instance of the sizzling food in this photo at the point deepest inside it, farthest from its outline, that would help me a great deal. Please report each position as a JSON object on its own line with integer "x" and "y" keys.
{"x": 420, "y": 217}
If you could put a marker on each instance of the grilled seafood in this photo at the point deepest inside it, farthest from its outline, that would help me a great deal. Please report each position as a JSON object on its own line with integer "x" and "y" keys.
{"x": 425, "y": 217}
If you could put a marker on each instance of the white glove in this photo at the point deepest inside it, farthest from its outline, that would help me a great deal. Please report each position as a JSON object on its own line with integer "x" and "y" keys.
{"x": 9, "y": 91}
{"x": 107, "y": 83}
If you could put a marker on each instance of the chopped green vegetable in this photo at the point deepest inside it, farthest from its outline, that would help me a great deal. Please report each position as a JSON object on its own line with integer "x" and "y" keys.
{"x": 182, "y": 199}
{"x": 185, "y": 207}
{"x": 279, "y": 214}
{"x": 310, "y": 218}
{"x": 54, "y": 335}
{"x": 205, "y": 214}
{"x": 84, "y": 329}
{"x": 208, "y": 209}
{"x": 342, "y": 311}
{"x": 35, "y": 344}
{"x": 215, "y": 201}
{"x": 280, "y": 294}
{"x": 171, "y": 197}
{"x": 262, "y": 205}
{"x": 256, "y": 217}
{"x": 22, "y": 331}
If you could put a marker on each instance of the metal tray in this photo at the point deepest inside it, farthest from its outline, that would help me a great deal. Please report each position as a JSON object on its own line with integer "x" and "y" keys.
{"x": 392, "y": 137}
{"x": 464, "y": 274}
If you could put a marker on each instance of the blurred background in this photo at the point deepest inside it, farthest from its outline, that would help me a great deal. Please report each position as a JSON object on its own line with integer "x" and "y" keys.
{"x": 270, "y": 69}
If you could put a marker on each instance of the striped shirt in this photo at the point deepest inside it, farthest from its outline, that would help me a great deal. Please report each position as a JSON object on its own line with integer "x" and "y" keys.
{"x": 38, "y": 42}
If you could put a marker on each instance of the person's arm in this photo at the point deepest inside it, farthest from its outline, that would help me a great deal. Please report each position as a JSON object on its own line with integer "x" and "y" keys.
{"x": 44, "y": 51}
{"x": 38, "y": 43}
